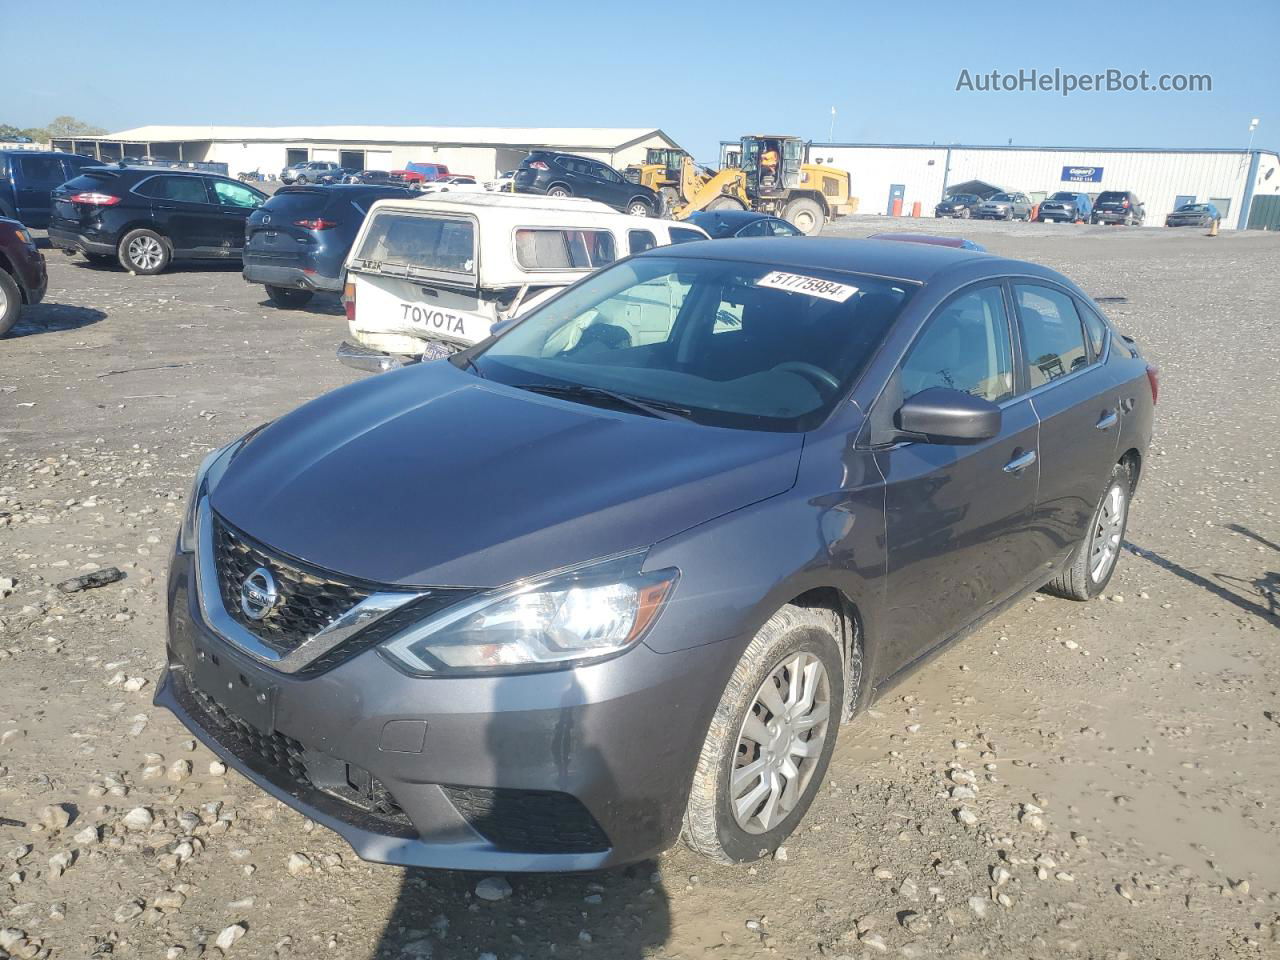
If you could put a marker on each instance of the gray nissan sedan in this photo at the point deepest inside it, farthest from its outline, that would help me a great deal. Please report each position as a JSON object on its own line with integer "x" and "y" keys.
{"x": 619, "y": 574}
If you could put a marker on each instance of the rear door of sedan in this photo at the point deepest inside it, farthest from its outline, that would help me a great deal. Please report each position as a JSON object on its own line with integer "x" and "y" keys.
{"x": 1077, "y": 398}
{"x": 958, "y": 516}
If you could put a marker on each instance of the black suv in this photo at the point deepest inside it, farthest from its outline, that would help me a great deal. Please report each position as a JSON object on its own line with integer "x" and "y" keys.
{"x": 1118, "y": 206}
{"x": 146, "y": 217}
{"x": 568, "y": 175}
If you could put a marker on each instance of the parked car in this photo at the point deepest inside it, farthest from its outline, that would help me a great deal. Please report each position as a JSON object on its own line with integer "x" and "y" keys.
{"x": 960, "y": 243}
{"x": 618, "y": 574}
{"x": 1004, "y": 206}
{"x": 297, "y": 242}
{"x": 1194, "y": 215}
{"x": 1118, "y": 206}
{"x": 146, "y": 217}
{"x": 23, "y": 278}
{"x": 503, "y": 182}
{"x": 455, "y": 181}
{"x": 958, "y": 205}
{"x": 720, "y": 224}
{"x": 1065, "y": 206}
{"x": 27, "y": 177}
{"x": 380, "y": 178}
{"x": 568, "y": 175}
{"x": 430, "y": 276}
{"x": 420, "y": 173}
{"x": 311, "y": 171}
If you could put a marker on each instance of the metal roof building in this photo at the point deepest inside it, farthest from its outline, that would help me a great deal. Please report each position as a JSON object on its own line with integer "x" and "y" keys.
{"x": 480, "y": 151}
{"x": 1243, "y": 184}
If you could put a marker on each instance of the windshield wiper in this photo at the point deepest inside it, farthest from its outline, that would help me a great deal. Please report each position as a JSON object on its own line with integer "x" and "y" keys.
{"x": 579, "y": 391}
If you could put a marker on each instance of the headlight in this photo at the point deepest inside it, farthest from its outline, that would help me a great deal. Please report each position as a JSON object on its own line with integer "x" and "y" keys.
{"x": 207, "y": 476}
{"x": 583, "y": 614}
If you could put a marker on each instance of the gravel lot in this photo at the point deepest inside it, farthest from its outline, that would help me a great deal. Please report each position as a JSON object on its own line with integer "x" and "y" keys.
{"x": 1092, "y": 780}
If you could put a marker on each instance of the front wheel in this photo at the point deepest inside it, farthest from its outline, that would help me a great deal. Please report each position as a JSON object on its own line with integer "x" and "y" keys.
{"x": 300, "y": 181}
{"x": 144, "y": 251}
{"x": 288, "y": 298}
{"x": 964, "y": 213}
{"x": 559, "y": 190}
{"x": 10, "y": 302}
{"x": 770, "y": 740}
{"x": 805, "y": 214}
{"x": 1094, "y": 560}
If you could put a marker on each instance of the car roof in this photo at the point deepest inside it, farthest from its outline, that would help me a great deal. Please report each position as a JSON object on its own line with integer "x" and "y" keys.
{"x": 915, "y": 262}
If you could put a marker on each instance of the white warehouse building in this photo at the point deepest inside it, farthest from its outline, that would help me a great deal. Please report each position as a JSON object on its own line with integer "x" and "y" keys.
{"x": 479, "y": 151}
{"x": 1236, "y": 181}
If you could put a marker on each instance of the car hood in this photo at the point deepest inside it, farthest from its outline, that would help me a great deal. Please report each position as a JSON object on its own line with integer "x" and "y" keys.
{"x": 430, "y": 476}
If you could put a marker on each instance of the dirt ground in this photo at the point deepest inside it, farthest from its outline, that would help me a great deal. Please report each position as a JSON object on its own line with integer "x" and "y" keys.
{"x": 1125, "y": 753}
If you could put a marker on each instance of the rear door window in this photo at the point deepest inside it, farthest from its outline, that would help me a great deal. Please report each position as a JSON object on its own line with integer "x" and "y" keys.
{"x": 553, "y": 248}
{"x": 1052, "y": 336}
{"x": 236, "y": 195}
{"x": 638, "y": 241}
{"x": 1096, "y": 331}
{"x": 684, "y": 235}
{"x": 177, "y": 189}
{"x": 39, "y": 171}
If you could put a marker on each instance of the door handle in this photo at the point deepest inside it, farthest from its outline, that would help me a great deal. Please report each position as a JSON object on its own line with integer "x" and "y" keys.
{"x": 1020, "y": 463}
{"x": 1107, "y": 420}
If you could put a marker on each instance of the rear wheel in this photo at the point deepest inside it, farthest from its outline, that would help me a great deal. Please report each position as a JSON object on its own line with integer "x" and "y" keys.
{"x": 639, "y": 207}
{"x": 288, "y": 298}
{"x": 1094, "y": 560}
{"x": 144, "y": 251}
{"x": 10, "y": 302}
{"x": 805, "y": 214}
{"x": 559, "y": 190}
{"x": 770, "y": 740}
{"x": 725, "y": 202}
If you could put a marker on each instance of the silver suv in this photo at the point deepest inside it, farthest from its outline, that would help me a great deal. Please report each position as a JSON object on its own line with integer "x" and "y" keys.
{"x": 312, "y": 171}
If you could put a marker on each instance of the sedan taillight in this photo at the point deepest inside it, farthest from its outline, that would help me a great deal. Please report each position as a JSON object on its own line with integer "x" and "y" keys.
{"x": 92, "y": 199}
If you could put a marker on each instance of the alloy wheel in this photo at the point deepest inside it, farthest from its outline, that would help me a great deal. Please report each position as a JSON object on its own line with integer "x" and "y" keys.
{"x": 145, "y": 253}
{"x": 780, "y": 743}
{"x": 1104, "y": 547}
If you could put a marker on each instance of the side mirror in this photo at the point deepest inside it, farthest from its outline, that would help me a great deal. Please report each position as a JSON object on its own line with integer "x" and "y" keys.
{"x": 943, "y": 415}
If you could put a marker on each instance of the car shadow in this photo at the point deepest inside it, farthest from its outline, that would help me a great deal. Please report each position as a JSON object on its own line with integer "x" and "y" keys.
{"x": 323, "y": 304}
{"x": 621, "y": 914}
{"x": 1266, "y": 587}
{"x": 50, "y": 317}
{"x": 181, "y": 266}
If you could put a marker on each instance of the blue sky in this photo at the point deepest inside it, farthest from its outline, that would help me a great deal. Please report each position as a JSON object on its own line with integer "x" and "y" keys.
{"x": 701, "y": 71}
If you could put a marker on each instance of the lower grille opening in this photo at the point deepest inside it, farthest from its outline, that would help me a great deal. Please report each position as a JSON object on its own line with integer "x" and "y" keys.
{"x": 326, "y": 783}
{"x": 529, "y": 821}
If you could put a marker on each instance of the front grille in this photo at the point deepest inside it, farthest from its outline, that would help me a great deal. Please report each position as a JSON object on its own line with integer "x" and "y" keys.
{"x": 326, "y": 783}
{"x": 529, "y": 821}
{"x": 309, "y": 600}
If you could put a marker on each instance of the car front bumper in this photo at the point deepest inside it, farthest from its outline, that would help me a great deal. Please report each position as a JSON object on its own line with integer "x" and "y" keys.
{"x": 981, "y": 213}
{"x": 1065, "y": 216}
{"x": 560, "y": 771}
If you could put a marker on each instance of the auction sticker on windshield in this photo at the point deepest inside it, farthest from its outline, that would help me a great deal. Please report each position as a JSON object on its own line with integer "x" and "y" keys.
{"x": 812, "y": 286}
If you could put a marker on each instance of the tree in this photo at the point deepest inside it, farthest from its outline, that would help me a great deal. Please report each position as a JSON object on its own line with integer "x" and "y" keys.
{"x": 60, "y": 127}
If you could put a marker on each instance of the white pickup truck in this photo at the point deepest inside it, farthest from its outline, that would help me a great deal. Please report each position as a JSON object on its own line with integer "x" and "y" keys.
{"x": 429, "y": 276}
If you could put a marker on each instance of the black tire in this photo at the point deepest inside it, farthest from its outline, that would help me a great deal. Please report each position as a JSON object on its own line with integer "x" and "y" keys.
{"x": 559, "y": 190}
{"x": 725, "y": 202}
{"x": 300, "y": 180}
{"x": 10, "y": 302}
{"x": 806, "y": 215}
{"x": 710, "y": 827}
{"x": 144, "y": 252}
{"x": 639, "y": 207}
{"x": 288, "y": 298}
{"x": 1077, "y": 581}
{"x": 964, "y": 213}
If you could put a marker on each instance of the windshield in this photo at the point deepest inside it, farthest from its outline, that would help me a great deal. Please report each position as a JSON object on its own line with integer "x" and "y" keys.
{"x": 1063, "y": 196}
{"x": 962, "y": 198}
{"x": 732, "y": 344}
{"x": 416, "y": 244}
{"x": 1002, "y": 197}
{"x": 1194, "y": 208}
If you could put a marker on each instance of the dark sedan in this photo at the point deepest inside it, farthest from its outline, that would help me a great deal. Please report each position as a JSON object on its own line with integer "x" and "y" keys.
{"x": 722, "y": 224}
{"x": 756, "y": 481}
{"x": 296, "y": 244}
{"x": 22, "y": 272}
{"x": 957, "y": 206}
{"x": 1194, "y": 215}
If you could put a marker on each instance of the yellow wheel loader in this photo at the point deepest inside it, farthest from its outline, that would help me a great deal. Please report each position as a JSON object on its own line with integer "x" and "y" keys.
{"x": 772, "y": 178}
